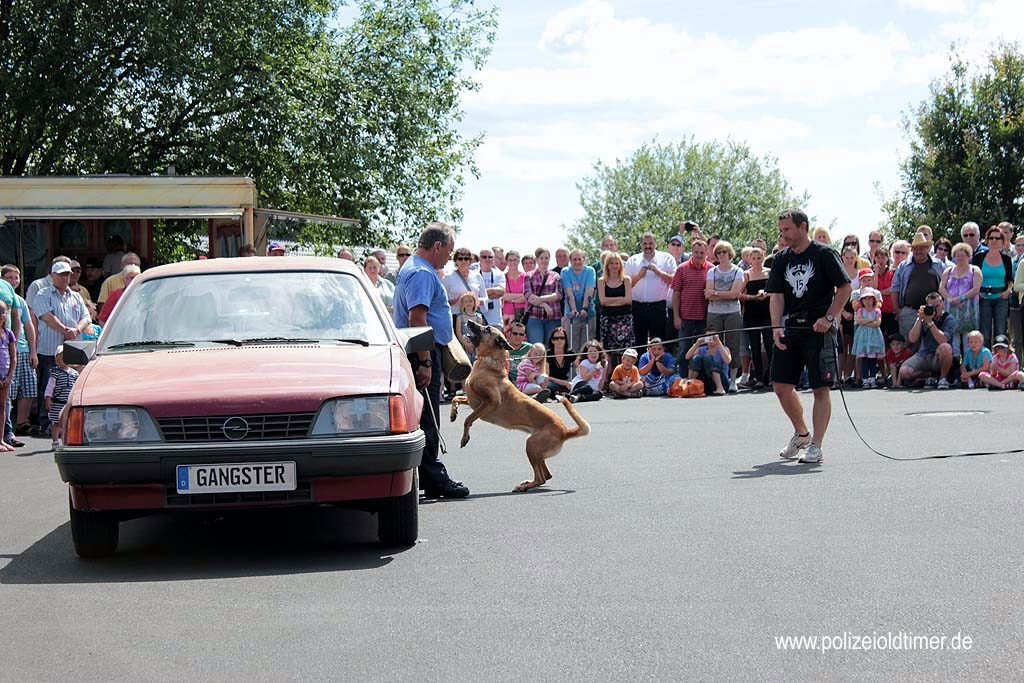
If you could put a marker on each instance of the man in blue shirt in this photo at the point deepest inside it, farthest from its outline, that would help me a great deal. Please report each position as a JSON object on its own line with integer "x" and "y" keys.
{"x": 421, "y": 299}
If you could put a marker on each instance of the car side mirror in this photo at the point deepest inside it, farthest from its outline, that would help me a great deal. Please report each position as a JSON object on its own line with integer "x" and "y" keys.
{"x": 79, "y": 352}
{"x": 415, "y": 339}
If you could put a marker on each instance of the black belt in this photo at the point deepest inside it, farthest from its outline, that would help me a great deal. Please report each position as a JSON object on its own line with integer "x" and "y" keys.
{"x": 993, "y": 290}
{"x": 649, "y": 303}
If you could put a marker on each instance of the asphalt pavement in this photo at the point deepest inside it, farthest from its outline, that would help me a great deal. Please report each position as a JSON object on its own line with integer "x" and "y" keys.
{"x": 671, "y": 544}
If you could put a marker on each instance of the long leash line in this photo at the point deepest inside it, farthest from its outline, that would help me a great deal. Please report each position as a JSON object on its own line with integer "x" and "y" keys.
{"x": 842, "y": 395}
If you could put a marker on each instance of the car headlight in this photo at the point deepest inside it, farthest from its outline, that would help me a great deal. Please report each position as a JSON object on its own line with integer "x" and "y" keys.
{"x": 110, "y": 424}
{"x": 360, "y": 415}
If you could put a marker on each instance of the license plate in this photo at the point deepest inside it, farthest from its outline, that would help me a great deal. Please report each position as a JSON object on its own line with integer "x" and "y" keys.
{"x": 236, "y": 477}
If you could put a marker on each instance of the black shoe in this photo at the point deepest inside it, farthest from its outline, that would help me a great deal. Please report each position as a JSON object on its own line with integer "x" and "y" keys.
{"x": 24, "y": 429}
{"x": 14, "y": 441}
{"x": 449, "y": 489}
{"x": 542, "y": 396}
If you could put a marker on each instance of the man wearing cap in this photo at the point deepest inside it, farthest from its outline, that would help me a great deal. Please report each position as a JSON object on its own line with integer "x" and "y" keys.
{"x": 92, "y": 277}
{"x": 651, "y": 273}
{"x": 62, "y": 316}
{"x": 421, "y": 299}
{"x": 676, "y": 247}
{"x": 275, "y": 249}
{"x": 932, "y": 331}
{"x": 913, "y": 280}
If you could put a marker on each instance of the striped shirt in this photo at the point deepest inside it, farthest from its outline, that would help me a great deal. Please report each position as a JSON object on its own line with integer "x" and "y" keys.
{"x": 68, "y": 308}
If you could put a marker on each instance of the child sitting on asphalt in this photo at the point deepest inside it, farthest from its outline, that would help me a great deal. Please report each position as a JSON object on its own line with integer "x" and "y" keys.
{"x": 1005, "y": 368}
{"x": 895, "y": 356}
{"x": 977, "y": 359}
{"x": 532, "y": 378}
{"x": 626, "y": 382}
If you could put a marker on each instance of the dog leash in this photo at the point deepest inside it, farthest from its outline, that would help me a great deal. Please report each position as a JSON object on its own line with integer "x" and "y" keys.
{"x": 437, "y": 427}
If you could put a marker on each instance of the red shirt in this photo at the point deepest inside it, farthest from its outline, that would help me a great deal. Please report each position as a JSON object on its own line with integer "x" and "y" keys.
{"x": 885, "y": 282}
{"x": 689, "y": 280}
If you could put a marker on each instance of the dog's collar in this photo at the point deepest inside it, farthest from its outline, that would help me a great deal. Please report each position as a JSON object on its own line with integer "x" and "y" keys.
{"x": 490, "y": 360}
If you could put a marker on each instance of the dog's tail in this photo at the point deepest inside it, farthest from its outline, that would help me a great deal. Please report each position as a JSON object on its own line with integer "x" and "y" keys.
{"x": 582, "y": 427}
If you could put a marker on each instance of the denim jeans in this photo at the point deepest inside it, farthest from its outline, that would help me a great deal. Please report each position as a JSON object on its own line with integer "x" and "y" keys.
{"x": 538, "y": 330}
{"x": 992, "y": 315}
{"x": 688, "y": 333}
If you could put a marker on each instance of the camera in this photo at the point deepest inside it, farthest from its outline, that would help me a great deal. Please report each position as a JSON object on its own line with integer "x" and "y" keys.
{"x": 929, "y": 310}
{"x": 490, "y": 305}
{"x": 688, "y": 226}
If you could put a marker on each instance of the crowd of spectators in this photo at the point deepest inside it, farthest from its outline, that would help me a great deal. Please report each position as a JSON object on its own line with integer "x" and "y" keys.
{"x": 698, "y": 309}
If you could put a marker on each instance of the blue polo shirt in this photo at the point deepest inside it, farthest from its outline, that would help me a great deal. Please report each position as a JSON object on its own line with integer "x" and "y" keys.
{"x": 418, "y": 285}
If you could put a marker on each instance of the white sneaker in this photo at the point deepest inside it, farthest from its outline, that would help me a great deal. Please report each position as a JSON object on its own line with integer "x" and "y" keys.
{"x": 970, "y": 383}
{"x": 744, "y": 379}
{"x": 812, "y": 454}
{"x": 943, "y": 383}
{"x": 792, "y": 449}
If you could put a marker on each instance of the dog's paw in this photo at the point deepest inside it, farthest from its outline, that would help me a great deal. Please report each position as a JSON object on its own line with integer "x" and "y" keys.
{"x": 465, "y": 440}
{"x": 453, "y": 413}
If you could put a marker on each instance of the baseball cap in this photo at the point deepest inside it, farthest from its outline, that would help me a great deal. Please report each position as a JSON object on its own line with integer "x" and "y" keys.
{"x": 865, "y": 272}
{"x": 630, "y": 352}
{"x": 1001, "y": 340}
{"x": 675, "y": 238}
{"x": 275, "y": 246}
{"x": 60, "y": 267}
{"x": 654, "y": 340}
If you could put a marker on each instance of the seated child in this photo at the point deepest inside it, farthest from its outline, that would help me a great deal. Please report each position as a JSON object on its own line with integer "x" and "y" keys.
{"x": 657, "y": 367}
{"x": 626, "y": 382}
{"x": 532, "y": 378}
{"x": 977, "y": 359}
{"x": 58, "y": 390}
{"x": 898, "y": 353}
{"x": 709, "y": 361}
{"x": 1005, "y": 368}
{"x": 590, "y": 373}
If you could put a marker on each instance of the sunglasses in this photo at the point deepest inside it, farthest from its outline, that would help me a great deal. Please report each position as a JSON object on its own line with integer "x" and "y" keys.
{"x": 486, "y": 256}
{"x": 403, "y": 255}
{"x": 875, "y": 241}
{"x": 997, "y": 238}
{"x": 850, "y": 244}
{"x": 556, "y": 338}
{"x": 518, "y": 334}
{"x": 463, "y": 258}
{"x": 900, "y": 251}
{"x": 76, "y": 270}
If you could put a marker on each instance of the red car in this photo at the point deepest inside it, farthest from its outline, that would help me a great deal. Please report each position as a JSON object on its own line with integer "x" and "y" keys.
{"x": 243, "y": 383}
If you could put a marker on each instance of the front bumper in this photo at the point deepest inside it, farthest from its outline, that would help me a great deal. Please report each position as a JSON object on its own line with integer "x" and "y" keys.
{"x": 141, "y": 477}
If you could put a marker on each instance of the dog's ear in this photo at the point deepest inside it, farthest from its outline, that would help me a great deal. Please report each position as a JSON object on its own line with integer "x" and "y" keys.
{"x": 500, "y": 340}
{"x": 475, "y": 326}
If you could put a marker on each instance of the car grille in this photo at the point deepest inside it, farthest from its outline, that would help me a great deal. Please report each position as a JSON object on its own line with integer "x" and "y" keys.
{"x": 259, "y": 427}
{"x": 303, "y": 493}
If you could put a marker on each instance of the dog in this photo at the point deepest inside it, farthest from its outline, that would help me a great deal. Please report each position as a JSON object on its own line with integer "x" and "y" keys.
{"x": 495, "y": 399}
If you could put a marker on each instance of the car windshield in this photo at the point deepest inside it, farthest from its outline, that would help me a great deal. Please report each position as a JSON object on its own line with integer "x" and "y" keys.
{"x": 245, "y": 307}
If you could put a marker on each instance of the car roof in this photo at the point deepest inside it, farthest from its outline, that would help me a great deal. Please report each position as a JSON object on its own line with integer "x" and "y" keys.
{"x": 253, "y": 264}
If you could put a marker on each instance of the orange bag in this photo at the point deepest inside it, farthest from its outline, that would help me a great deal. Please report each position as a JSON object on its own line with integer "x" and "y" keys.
{"x": 686, "y": 388}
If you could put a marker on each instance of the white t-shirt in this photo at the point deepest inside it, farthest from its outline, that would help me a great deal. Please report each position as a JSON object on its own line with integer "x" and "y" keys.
{"x": 724, "y": 282}
{"x": 454, "y": 285}
{"x": 492, "y": 278}
{"x": 595, "y": 380}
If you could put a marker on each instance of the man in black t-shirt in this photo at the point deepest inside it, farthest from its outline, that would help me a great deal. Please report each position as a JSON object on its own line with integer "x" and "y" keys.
{"x": 808, "y": 285}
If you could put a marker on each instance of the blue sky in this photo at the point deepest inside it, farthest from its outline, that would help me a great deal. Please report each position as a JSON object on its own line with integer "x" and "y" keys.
{"x": 821, "y": 86}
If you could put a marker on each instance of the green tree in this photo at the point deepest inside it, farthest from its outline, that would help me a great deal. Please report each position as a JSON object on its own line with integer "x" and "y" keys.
{"x": 966, "y": 146}
{"x": 358, "y": 120}
{"x": 722, "y": 185}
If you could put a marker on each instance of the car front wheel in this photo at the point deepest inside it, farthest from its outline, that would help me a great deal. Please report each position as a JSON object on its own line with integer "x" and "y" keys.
{"x": 398, "y": 519}
{"x": 95, "y": 534}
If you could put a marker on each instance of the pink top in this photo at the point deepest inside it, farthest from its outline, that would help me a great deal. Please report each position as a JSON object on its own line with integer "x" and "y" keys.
{"x": 513, "y": 286}
{"x": 526, "y": 368}
{"x": 1001, "y": 369}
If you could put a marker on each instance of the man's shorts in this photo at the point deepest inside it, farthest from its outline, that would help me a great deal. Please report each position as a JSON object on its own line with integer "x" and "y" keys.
{"x": 804, "y": 349}
{"x": 923, "y": 363}
{"x": 24, "y": 383}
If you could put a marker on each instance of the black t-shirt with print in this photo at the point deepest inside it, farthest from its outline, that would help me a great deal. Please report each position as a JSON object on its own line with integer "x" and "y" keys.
{"x": 808, "y": 279}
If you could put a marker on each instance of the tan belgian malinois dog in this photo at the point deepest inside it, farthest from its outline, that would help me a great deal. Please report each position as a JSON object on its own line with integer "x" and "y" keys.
{"x": 495, "y": 399}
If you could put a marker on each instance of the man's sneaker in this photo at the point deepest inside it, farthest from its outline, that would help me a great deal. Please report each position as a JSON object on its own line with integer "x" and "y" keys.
{"x": 930, "y": 382}
{"x": 795, "y": 444}
{"x": 812, "y": 454}
{"x": 970, "y": 383}
{"x": 449, "y": 489}
{"x": 943, "y": 383}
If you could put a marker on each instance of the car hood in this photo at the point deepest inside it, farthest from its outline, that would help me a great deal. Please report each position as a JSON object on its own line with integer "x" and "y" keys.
{"x": 229, "y": 379}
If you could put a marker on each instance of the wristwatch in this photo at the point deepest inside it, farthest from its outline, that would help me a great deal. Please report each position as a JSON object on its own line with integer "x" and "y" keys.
{"x": 830, "y": 318}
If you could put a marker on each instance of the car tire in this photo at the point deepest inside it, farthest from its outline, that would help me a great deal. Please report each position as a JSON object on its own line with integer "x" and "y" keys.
{"x": 398, "y": 519}
{"x": 95, "y": 534}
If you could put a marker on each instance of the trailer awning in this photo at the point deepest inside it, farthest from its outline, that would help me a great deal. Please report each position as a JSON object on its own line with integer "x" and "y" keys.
{"x": 149, "y": 212}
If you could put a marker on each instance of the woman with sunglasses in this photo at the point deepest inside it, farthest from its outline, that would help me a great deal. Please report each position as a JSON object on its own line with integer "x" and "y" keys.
{"x": 996, "y": 285}
{"x": 854, "y": 241}
{"x": 560, "y": 362}
{"x": 456, "y": 283}
{"x": 944, "y": 252}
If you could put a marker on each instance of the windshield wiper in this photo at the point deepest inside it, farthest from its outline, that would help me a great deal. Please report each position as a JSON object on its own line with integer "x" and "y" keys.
{"x": 150, "y": 342}
{"x": 280, "y": 340}
{"x": 361, "y": 342}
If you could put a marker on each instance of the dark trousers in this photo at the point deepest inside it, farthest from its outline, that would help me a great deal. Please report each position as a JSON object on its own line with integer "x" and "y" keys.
{"x": 688, "y": 333}
{"x": 649, "y": 321}
{"x": 761, "y": 338}
{"x": 45, "y": 367}
{"x": 432, "y": 470}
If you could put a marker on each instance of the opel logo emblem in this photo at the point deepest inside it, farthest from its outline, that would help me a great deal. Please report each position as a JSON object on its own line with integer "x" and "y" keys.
{"x": 235, "y": 428}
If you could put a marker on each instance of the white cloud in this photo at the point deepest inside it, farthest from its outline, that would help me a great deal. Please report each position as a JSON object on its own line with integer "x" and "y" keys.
{"x": 936, "y": 6}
